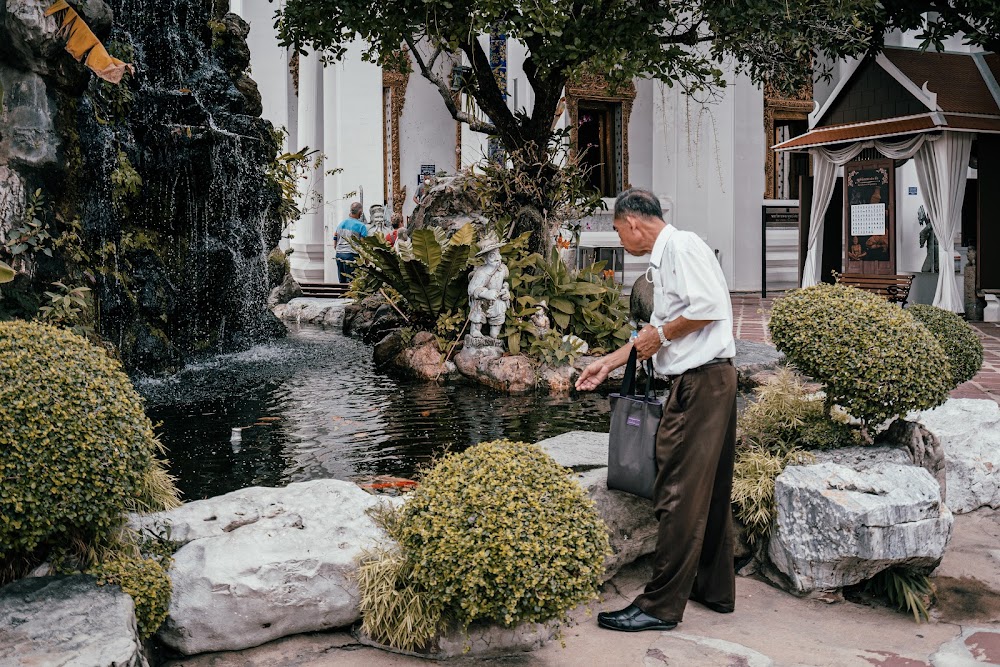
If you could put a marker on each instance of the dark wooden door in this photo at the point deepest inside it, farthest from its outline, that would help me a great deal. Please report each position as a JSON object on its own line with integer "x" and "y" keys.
{"x": 988, "y": 234}
{"x": 870, "y": 217}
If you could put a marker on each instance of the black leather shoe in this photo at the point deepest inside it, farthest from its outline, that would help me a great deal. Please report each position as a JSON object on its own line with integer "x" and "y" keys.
{"x": 714, "y": 606}
{"x": 632, "y": 619}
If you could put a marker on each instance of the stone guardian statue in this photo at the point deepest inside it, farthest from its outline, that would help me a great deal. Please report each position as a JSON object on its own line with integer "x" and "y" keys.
{"x": 928, "y": 238}
{"x": 489, "y": 295}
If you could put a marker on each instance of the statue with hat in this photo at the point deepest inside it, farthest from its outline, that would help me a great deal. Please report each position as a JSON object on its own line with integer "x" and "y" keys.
{"x": 489, "y": 294}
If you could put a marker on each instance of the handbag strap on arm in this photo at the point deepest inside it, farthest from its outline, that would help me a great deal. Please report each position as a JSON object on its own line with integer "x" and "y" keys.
{"x": 650, "y": 394}
{"x": 628, "y": 380}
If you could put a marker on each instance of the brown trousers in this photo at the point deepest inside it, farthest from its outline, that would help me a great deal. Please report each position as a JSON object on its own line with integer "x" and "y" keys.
{"x": 695, "y": 446}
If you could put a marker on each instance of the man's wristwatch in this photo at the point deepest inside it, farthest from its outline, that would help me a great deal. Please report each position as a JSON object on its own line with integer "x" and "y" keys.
{"x": 664, "y": 341}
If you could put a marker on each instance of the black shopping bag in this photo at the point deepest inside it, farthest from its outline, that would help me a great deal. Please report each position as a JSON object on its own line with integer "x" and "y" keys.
{"x": 634, "y": 420}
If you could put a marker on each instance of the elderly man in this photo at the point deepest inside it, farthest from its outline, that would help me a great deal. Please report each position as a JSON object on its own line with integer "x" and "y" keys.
{"x": 350, "y": 228}
{"x": 690, "y": 339}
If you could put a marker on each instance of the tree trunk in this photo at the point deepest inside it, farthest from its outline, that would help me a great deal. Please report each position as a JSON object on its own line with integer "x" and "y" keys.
{"x": 923, "y": 446}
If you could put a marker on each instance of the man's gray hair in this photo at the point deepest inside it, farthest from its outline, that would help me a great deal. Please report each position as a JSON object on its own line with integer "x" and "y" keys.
{"x": 638, "y": 202}
{"x": 356, "y": 209}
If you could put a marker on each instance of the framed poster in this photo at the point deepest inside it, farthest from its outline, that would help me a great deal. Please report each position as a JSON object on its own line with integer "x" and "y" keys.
{"x": 870, "y": 217}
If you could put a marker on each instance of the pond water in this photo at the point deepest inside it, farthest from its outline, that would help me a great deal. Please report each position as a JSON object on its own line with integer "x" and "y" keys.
{"x": 313, "y": 406}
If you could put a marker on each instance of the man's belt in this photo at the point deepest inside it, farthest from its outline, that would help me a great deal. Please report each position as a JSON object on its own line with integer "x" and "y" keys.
{"x": 713, "y": 362}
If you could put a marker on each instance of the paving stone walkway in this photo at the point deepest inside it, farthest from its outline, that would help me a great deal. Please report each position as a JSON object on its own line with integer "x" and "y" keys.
{"x": 751, "y": 314}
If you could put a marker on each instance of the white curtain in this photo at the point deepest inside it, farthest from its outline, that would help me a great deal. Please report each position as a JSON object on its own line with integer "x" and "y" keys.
{"x": 942, "y": 168}
{"x": 826, "y": 164}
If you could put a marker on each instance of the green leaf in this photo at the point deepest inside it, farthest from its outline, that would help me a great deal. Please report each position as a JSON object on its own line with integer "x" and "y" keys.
{"x": 562, "y": 305}
{"x": 464, "y": 236}
{"x": 6, "y": 273}
{"x": 426, "y": 248}
{"x": 583, "y": 288}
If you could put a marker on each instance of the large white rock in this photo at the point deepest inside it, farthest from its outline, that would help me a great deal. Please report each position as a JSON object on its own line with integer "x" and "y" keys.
{"x": 328, "y": 312}
{"x": 630, "y": 519}
{"x": 263, "y": 563}
{"x": 68, "y": 622}
{"x": 838, "y": 526}
{"x": 969, "y": 431}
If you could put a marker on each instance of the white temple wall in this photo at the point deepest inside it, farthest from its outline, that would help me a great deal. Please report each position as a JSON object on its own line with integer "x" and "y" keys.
{"x": 749, "y": 150}
{"x": 352, "y": 142}
{"x": 427, "y": 136}
{"x": 708, "y": 164}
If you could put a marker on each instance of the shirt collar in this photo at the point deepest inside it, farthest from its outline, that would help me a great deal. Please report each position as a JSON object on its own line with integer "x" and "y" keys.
{"x": 656, "y": 254}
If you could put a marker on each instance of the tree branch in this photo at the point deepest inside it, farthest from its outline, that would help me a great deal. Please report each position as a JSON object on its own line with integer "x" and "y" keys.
{"x": 475, "y": 124}
{"x": 487, "y": 94}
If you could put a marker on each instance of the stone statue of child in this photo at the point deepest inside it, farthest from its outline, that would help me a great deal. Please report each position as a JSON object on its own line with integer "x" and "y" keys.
{"x": 928, "y": 238}
{"x": 489, "y": 294}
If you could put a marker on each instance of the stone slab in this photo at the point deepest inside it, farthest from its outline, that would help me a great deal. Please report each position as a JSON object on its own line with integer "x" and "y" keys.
{"x": 263, "y": 563}
{"x": 67, "y": 622}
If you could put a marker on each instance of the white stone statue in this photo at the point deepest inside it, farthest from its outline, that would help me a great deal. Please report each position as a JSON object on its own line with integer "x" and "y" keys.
{"x": 376, "y": 219}
{"x": 540, "y": 319}
{"x": 489, "y": 295}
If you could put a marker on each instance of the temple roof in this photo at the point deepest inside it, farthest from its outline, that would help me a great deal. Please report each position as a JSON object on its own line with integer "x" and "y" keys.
{"x": 906, "y": 91}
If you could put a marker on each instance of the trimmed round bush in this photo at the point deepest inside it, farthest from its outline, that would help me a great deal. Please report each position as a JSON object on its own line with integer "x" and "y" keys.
{"x": 875, "y": 360}
{"x": 146, "y": 581}
{"x": 499, "y": 533}
{"x": 502, "y": 533}
{"x": 76, "y": 448}
{"x": 958, "y": 340}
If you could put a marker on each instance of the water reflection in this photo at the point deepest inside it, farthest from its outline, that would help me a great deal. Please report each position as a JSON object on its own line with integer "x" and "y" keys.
{"x": 313, "y": 406}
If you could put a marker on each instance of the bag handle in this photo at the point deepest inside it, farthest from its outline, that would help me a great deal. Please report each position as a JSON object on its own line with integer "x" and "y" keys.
{"x": 629, "y": 382}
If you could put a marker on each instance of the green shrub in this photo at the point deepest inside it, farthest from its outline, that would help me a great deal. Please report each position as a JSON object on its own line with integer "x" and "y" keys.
{"x": 873, "y": 359}
{"x": 904, "y": 589}
{"x": 76, "y": 449}
{"x": 785, "y": 415}
{"x": 754, "y": 472}
{"x": 584, "y": 303}
{"x": 145, "y": 580}
{"x": 958, "y": 340}
{"x": 499, "y": 533}
{"x": 430, "y": 271}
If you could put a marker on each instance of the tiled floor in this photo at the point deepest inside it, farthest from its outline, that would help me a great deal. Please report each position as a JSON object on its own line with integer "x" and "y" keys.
{"x": 750, "y": 315}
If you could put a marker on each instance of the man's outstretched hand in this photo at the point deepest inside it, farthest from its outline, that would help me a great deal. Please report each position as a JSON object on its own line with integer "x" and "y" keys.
{"x": 592, "y": 376}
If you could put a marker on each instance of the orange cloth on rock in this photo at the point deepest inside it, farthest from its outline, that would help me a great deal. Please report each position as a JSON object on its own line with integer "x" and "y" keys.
{"x": 81, "y": 41}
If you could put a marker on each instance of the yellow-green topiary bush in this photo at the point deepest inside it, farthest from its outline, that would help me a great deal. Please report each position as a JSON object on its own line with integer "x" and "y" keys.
{"x": 76, "y": 449}
{"x": 958, "y": 340}
{"x": 499, "y": 533}
{"x": 145, "y": 580}
{"x": 873, "y": 358}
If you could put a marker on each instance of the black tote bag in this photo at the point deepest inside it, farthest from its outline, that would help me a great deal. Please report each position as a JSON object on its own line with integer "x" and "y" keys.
{"x": 634, "y": 420}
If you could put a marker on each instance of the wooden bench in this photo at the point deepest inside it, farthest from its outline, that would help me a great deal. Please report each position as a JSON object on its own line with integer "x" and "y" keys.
{"x": 895, "y": 288}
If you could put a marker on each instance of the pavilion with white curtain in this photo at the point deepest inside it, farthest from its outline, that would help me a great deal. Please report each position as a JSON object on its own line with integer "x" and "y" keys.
{"x": 942, "y": 110}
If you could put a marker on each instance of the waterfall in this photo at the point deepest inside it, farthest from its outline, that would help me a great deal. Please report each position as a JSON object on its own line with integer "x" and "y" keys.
{"x": 180, "y": 260}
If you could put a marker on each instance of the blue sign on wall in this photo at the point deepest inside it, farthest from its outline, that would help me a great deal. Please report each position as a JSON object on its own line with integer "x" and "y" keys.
{"x": 911, "y": 190}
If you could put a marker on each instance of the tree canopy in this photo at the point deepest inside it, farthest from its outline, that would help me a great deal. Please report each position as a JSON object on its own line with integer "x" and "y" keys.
{"x": 682, "y": 42}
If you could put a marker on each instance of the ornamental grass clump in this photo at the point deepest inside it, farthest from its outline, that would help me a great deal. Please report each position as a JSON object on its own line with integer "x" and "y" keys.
{"x": 497, "y": 534}
{"x": 873, "y": 358}
{"x": 958, "y": 340}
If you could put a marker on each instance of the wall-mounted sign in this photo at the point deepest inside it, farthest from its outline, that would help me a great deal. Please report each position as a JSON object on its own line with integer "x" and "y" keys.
{"x": 867, "y": 219}
{"x": 912, "y": 190}
{"x": 869, "y": 227}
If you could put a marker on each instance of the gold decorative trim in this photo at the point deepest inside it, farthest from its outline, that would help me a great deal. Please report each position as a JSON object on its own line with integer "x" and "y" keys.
{"x": 396, "y": 82}
{"x": 595, "y": 87}
{"x": 776, "y": 107}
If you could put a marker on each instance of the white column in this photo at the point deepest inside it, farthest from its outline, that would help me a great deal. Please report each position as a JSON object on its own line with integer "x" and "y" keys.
{"x": 308, "y": 242}
{"x": 332, "y": 148}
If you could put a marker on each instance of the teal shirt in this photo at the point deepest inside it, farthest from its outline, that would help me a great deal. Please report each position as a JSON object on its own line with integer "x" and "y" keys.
{"x": 347, "y": 230}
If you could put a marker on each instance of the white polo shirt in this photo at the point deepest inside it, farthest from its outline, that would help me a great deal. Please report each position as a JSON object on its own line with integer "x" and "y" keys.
{"x": 688, "y": 282}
